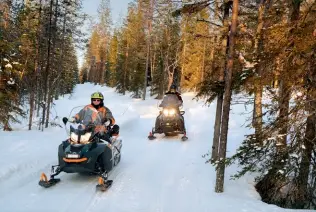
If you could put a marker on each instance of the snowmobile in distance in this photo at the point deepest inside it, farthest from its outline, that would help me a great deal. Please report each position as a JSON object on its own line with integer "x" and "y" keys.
{"x": 85, "y": 151}
{"x": 170, "y": 120}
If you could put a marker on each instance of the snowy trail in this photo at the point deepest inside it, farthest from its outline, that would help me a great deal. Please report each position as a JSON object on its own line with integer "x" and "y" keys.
{"x": 164, "y": 175}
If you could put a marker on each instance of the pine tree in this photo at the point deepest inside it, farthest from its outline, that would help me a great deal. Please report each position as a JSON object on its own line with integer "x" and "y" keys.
{"x": 113, "y": 59}
{"x": 10, "y": 68}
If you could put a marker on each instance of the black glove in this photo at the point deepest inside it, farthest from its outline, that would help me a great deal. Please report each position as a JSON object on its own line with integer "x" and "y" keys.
{"x": 65, "y": 120}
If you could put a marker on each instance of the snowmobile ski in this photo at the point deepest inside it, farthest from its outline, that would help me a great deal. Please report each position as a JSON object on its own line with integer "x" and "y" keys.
{"x": 104, "y": 185}
{"x": 151, "y": 136}
{"x": 184, "y": 137}
{"x": 47, "y": 183}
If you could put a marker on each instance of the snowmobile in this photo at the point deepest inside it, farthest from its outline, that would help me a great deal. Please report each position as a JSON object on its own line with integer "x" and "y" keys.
{"x": 170, "y": 120}
{"x": 87, "y": 151}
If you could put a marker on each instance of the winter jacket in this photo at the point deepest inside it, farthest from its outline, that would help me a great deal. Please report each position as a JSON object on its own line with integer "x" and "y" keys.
{"x": 97, "y": 116}
{"x": 176, "y": 93}
{"x": 171, "y": 99}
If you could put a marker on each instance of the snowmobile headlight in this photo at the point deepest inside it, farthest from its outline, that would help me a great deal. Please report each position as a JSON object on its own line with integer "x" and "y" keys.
{"x": 85, "y": 138}
{"x": 169, "y": 112}
{"x": 172, "y": 112}
{"x": 74, "y": 137}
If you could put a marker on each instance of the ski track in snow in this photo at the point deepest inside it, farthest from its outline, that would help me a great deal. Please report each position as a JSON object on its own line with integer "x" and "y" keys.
{"x": 163, "y": 175}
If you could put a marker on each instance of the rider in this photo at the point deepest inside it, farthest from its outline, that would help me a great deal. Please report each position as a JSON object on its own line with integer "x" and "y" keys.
{"x": 173, "y": 90}
{"x": 105, "y": 113}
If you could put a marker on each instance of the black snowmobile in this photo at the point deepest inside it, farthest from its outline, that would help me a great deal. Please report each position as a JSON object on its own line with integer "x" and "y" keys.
{"x": 170, "y": 120}
{"x": 86, "y": 151}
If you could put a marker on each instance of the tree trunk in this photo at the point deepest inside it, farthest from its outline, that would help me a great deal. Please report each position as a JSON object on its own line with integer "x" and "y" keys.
{"x": 217, "y": 126}
{"x": 49, "y": 99}
{"x": 258, "y": 111}
{"x": 302, "y": 196}
{"x": 32, "y": 98}
{"x": 219, "y": 102}
{"x": 283, "y": 115}
{"x": 148, "y": 47}
{"x": 212, "y": 54}
{"x": 166, "y": 68}
{"x": 284, "y": 88}
{"x": 220, "y": 174}
{"x": 170, "y": 77}
{"x": 152, "y": 69}
{"x": 46, "y": 77}
{"x": 125, "y": 71}
{"x": 50, "y": 84}
{"x": 5, "y": 7}
{"x": 146, "y": 69}
{"x": 6, "y": 126}
{"x": 162, "y": 79}
{"x": 61, "y": 60}
{"x": 183, "y": 66}
{"x": 309, "y": 143}
{"x": 203, "y": 62}
{"x": 257, "y": 119}
{"x": 39, "y": 97}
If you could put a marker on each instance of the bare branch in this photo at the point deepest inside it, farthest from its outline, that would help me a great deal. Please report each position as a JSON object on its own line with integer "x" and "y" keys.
{"x": 192, "y": 8}
{"x": 210, "y": 22}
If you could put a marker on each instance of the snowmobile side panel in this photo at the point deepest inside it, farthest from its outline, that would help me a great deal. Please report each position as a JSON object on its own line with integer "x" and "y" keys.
{"x": 107, "y": 159}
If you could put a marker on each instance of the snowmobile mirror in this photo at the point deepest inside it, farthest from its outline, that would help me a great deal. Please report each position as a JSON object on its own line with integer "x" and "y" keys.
{"x": 182, "y": 112}
{"x": 65, "y": 120}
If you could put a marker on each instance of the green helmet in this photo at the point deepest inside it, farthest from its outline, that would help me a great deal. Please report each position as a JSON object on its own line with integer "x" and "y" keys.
{"x": 97, "y": 95}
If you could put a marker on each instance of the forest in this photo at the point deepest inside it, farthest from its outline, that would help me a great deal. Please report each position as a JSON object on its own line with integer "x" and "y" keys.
{"x": 263, "y": 49}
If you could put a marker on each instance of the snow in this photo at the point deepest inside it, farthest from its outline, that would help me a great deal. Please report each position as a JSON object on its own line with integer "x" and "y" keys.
{"x": 11, "y": 81}
{"x": 281, "y": 171}
{"x": 294, "y": 155}
{"x": 8, "y": 66}
{"x": 161, "y": 175}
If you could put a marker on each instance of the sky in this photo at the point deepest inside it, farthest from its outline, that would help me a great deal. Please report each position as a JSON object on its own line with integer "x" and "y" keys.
{"x": 118, "y": 8}
{"x": 118, "y": 11}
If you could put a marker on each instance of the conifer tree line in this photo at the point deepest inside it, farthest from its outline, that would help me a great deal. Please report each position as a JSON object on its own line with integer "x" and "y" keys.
{"x": 264, "y": 49}
{"x": 38, "y": 62}
{"x": 150, "y": 48}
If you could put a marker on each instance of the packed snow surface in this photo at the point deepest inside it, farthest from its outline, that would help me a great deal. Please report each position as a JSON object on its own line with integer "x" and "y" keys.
{"x": 164, "y": 175}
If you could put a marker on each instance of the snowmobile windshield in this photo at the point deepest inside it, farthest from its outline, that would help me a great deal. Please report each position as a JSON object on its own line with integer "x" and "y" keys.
{"x": 170, "y": 100}
{"x": 89, "y": 119}
{"x": 87, "y": 115}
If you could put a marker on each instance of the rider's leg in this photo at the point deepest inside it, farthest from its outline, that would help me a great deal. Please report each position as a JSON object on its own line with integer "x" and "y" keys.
{"x": 158, "y": 123}
{"x": 107, "y": 159}
{"x": 182, "y": 123}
